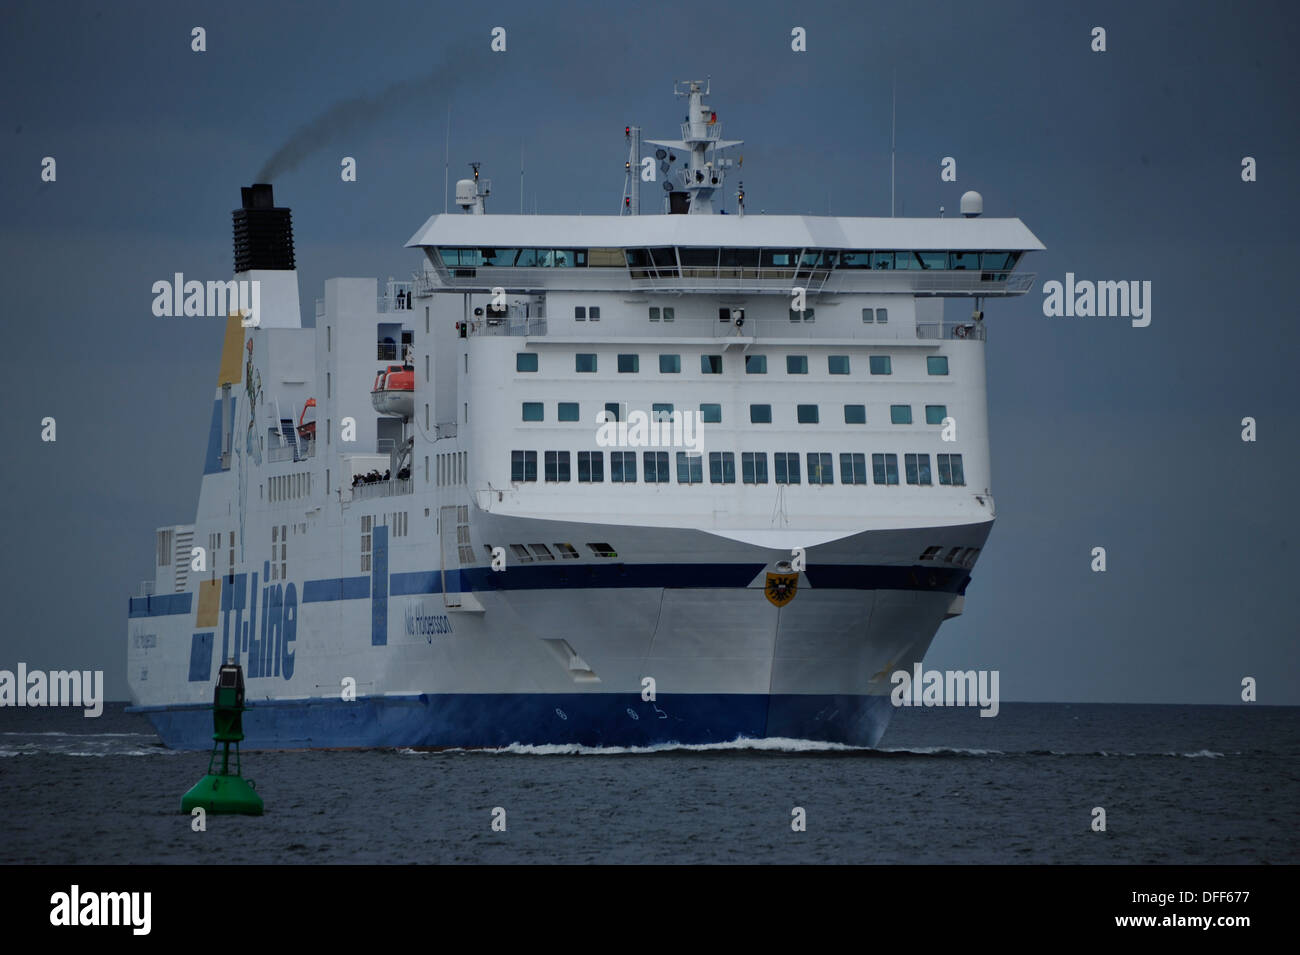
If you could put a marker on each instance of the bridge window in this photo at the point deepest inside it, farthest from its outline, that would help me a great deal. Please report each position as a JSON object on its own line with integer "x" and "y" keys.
{"x": 786, "y": 467}
{"x": 753, "y": 467}
{"x": 622, "y": 467}
{"x": 523, "y": 466}
{"x": 722, "y": 467}
{"x": 950, "y": 469}
{"x": 884, "y": 468}
{"x": 820, "y": 468}
{"x": 853, "y": 469}
{"x": 603, "y": 550}
{"x": 963, "y": 260}
{"x": 933, "y": 260}
{"x": 918, "y": 468}
{"x": 855, "y": 260}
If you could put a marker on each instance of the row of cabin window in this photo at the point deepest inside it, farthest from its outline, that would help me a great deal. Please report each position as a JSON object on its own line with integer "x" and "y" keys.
{"x": 722, "y": 467}
{"x": 668, "y": 258}
{"x": 585, "y": 362}
{"x": 711, "y": 413}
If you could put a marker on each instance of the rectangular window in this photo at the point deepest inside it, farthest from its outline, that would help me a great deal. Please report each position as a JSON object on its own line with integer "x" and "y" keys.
{"x": 523, "y": 466}
{"x": 917, "y": 467}
{"x": 580, "y": 312}
{"x": 807, "y": 414}
{"x": 853, "y": 469}
{"x": 690, "y": 468}
{"x": 837, "y": 364}
{"x": 855, "y": 414}
{"x": 711, "y": 364}
{"x": 753, "y": 467}
{"x": 884, "y": 468}
{"x": 881, "y": 365}
{"x": 868, "y": 315}
{"x": 796, "y": 364}
{"x": 622, "y": 467}
{"x": 656, "y": 467}
{"x": 661, "y": 412}
{"x": 722, "y": 467}
{"x": 882, "y": 316}
{"x": 613, "y": 411}
{"x": 950, "y": 469}
{"x": 936, "y": 364}
{"x": 593, "y": 313}
{"x": 629, "y": 364}
{"x": 426, "y": 368}
{"x": 584, "y": 362}
{"x": 591, "y": 467}
{"x": 557, "y": 465}
{"x": 568, "y": 411}
{"x": 711, "y": 413}
{"x": 760, "y": 414}
{"x": 654, "y": 313}
{"x": 821, "y": 470}
{"x": 934, "y": 414}
{"x": 805, "y": 316}
{"x": 900, "y": 414}
{"x": 756, "y": 364}
{"x": 524, "y": 361}
{"x": 533, "y": 411}
{"x": 963, "y": 260}
{"x": 668, "y": 314}
{"x": 670, "y": 364}
{"x": 785, "y": 465}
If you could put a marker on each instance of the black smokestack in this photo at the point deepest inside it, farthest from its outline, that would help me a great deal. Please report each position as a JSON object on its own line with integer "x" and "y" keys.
{"x": 263, "y": 233}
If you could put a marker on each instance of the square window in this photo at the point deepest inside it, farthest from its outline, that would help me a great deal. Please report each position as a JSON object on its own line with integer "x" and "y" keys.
{"x": 756, "y": 364}
{"x": 900, "y": 414}
{"x": 838, "y": 364}
{"x": 760, "y": 414}
{"x": 855, "y": 414}
{"x": 934, "y": 414}
{"x": 524, "y": 361}
{"x": 670, "y": 364}
{"x": 568, "y": 411}
{"x": 936, "y": 364}
{"x": 807, "y": 414}
{"x": 629, "y": 364}
{"x": 796, "y": 364}
{"x": 711, "y": 413}
{"x": 584, "y": 362}
{"x": 711, "y": 364}
{"x": 881, "y": 365}
{"x": 533, "y": 411}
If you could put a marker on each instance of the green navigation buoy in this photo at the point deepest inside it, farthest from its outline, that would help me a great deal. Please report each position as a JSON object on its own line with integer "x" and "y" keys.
{"x": 225, "y": 791}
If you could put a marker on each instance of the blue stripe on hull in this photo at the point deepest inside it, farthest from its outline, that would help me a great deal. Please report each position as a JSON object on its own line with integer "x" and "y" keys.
{"x": 492, "y": 720}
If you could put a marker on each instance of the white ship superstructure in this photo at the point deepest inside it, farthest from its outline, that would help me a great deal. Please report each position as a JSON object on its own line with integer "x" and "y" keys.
{"x": 767, "y": 585}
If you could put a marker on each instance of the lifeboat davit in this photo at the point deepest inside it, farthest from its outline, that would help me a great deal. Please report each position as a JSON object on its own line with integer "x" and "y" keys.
{"x": 307, "y": 429}
{"x": 394, "y": 391}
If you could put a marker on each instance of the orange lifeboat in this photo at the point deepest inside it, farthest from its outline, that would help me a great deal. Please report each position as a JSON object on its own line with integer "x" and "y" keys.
{"x": 394, "y": 391}
{"x": 307, "y": 429}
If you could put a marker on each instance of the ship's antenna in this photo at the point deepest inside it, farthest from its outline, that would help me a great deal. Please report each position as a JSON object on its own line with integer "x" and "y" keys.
{"x": 446, "y": 166}
{"x": 521, "y": 177}
{"x": 893, "y": 117}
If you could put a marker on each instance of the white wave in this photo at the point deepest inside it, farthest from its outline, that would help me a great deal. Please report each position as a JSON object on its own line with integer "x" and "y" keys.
{"x": 770, "y": 744}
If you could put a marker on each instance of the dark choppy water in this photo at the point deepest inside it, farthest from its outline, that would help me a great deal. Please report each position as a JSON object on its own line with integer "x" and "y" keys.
{"x": 1180, "y": 784}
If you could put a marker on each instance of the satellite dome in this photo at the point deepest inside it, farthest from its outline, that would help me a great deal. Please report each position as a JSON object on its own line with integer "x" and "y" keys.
{"x": 972, "y": 204}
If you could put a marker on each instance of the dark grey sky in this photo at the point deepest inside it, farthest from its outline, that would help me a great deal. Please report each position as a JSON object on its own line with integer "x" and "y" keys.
{"x": 1126, "y": 164}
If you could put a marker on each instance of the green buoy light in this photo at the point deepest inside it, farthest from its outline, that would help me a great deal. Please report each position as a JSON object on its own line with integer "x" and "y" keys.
{"x": 225, "y": 791}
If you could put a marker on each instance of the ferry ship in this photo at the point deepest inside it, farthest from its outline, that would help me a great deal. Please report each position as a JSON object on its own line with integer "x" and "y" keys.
{"x": 440, "y": 518}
